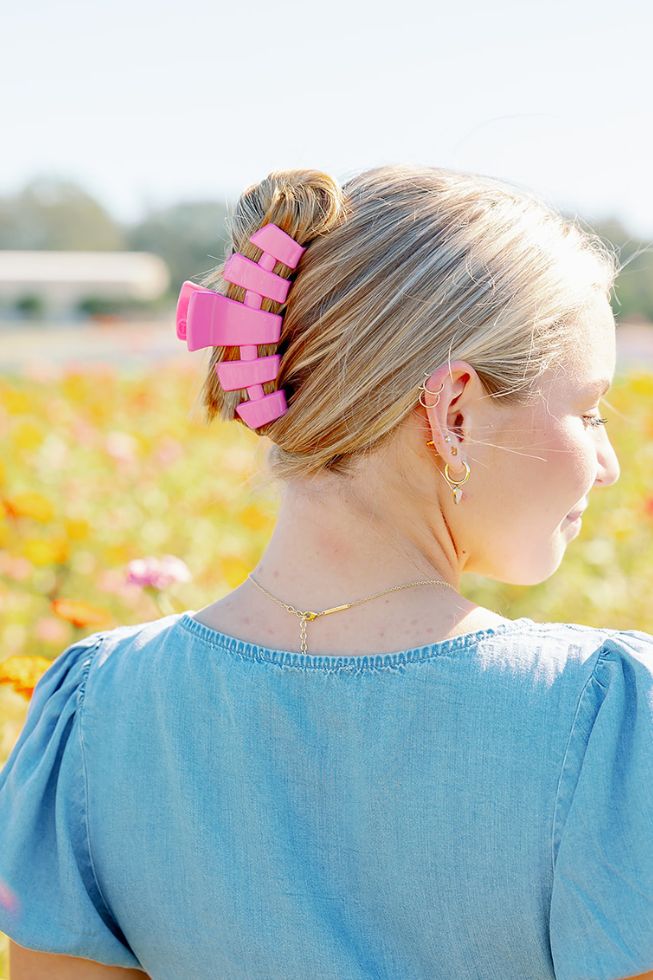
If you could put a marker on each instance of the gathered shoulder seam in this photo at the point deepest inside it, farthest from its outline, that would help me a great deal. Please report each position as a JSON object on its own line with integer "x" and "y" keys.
{"x": 88, "y": 663}
{"x": 557, "y": 825}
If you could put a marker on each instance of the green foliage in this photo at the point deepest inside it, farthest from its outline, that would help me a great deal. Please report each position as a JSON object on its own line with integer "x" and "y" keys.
{"x": 633, "y": 294}
{"x": 31, "y": 306}
{"x": 49, "y": 213}
{"x": 103, "y": 306}
{"x": 191, "y": 237}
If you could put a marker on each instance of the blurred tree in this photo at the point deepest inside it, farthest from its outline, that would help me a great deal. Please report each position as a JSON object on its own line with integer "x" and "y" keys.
{"x": 52, "y": 213}
{"x": 125, "y": 306}
{"x": 190, "y": 236}
{"x": 31, "y": 306}
{"x": 633, "y": 292}
{"x": 634, "y": 286}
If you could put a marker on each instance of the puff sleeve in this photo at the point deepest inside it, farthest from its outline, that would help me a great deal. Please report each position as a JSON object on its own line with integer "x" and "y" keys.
{"x": 50, "y": 899}
{"x": 601, "y": 915}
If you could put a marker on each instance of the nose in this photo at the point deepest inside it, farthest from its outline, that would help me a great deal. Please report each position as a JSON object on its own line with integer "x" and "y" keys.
{"x": 609, "y": 469}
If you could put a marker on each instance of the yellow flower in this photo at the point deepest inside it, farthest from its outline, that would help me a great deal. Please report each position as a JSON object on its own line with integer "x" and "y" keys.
{"x": 16, "y": 402}
{"x": 29, "y": 503}
{"x": 234, "y": 570}
{"x": 45, "y": 551}
{"x": 27, "y": 435}
{"x": 23, "y": 673}
{"x": 74, "y": 386}
{"x": 77, "y": 528}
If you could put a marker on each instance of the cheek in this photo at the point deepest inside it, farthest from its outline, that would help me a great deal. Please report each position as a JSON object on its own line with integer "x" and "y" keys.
{"x": 548, "y": 466}
{"x": 566, "y": 470}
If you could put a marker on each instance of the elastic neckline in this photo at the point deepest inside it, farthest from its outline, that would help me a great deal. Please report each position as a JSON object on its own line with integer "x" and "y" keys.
{"x": 309, "y": 661}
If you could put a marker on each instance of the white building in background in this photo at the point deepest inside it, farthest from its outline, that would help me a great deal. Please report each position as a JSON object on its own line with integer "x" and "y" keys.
{"x": 62, "y": 279}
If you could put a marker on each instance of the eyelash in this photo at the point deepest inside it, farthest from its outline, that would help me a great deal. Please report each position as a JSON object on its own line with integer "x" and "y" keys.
{"x": 595, "y": 420}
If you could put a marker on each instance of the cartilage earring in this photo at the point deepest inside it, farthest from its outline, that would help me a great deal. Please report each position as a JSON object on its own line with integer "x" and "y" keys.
{"x": 424, "y": 389}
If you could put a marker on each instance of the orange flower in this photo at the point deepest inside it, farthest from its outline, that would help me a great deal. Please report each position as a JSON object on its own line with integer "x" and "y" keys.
{"x": 29, "y": 504}
{"x": 80, "y": 613}
{"x": 23, "y": 673}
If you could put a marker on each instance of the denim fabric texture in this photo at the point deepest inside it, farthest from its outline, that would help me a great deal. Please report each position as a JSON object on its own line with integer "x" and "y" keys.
{"x": 204, "y": 808}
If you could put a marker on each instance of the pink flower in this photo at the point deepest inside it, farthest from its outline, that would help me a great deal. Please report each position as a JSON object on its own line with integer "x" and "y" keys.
{"x": 113, "y": 581}
{"x": 16, "y": 567}
{"x": 168, "y": 451}
{"x": 51, "y": 630}
{"x": 8, "y": 899}
{"x": 157, "y": 573}
{"x": 121, "y": 446}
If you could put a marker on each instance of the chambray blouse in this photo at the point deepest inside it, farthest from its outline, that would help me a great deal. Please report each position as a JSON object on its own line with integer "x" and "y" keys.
{"x": 200, "y": 807}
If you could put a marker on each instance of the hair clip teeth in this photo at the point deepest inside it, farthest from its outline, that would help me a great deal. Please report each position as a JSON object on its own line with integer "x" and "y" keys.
{"x": 205, "y": 318}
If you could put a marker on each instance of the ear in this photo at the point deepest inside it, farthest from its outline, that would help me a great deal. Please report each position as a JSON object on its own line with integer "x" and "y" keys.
{"x": 450, "y": 408}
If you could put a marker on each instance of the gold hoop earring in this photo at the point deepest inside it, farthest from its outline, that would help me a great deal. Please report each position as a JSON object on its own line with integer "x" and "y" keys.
{"x": 424, "y": 389}
{"x": 457, "y": 484}
{"x": 454, "y": 484}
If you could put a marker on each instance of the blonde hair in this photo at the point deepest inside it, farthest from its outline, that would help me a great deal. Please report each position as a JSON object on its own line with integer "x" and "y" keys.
{"x": 406, "y": 267}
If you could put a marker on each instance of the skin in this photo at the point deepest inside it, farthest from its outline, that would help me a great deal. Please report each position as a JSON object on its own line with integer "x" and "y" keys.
{"x": 31, "y": 964}
{"x": 396, "y": 521}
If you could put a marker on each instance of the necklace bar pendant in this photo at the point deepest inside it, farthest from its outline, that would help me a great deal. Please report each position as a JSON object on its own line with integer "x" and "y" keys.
{"x": 335, "y": 609}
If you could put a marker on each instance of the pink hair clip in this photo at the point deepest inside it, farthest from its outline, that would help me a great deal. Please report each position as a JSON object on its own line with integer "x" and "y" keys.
{"x": 209, "y": 319}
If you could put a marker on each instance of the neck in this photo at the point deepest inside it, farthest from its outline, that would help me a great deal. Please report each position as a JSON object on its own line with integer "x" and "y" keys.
{"x": 333, "y": 544}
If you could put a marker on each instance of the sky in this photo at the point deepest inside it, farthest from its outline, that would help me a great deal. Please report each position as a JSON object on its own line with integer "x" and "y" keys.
{"x": 148, "y": 103}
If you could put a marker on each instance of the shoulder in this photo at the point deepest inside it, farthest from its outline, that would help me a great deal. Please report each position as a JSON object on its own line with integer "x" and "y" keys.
{"x": 601, "y": 849}
{"x": 577, "y": 643}
{"x": 571, "y": 662}
{"x": 126, "y": 652}
{"x": 54, "y": 901}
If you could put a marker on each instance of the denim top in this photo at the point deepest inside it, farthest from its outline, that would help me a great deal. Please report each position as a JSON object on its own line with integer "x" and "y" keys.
{"x": 201, "y": 807}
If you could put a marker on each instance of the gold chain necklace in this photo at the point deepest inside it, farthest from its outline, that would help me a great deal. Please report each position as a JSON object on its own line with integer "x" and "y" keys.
{"x": 307, "y": 615}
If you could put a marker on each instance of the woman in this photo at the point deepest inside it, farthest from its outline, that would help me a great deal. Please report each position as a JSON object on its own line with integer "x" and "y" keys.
{"x": 407, "y": 786}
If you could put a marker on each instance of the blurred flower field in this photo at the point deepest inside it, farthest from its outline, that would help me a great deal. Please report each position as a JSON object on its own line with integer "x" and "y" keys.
{"x": 119, "y": 504}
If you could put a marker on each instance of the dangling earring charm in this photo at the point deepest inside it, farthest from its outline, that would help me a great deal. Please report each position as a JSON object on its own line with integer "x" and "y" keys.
{"x": 457, "y": 484}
